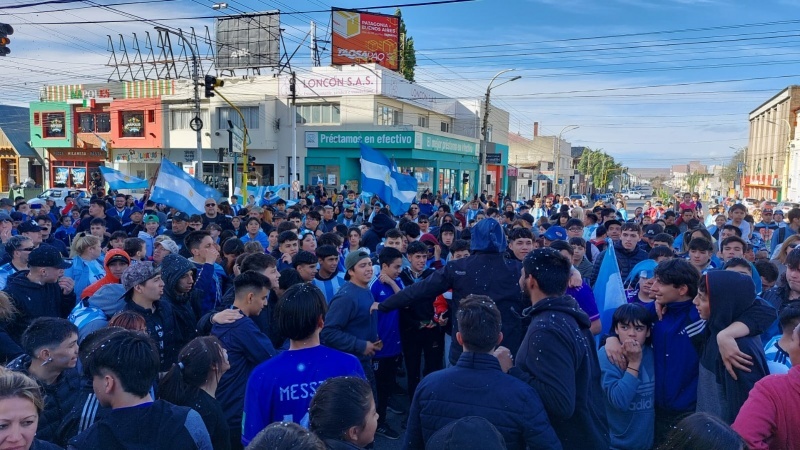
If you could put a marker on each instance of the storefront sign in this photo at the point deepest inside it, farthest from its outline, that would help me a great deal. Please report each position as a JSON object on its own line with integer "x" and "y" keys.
{"x": 351, "y": 139}
{"x": 79, "y": 96}
{"x": 425, "y": 141}
{"x": 494, "y": 158}
{"x": 355, "y": 82}
{"x": 79, "y": 154}
{"x": 133, "y": 126}
{"x": 137, "y": 156}
{"x": 188, "y": 156}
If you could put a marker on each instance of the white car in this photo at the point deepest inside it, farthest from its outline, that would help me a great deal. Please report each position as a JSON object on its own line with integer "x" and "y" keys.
{"x": 631, "y": 195}
{"x": 58, "y": 195}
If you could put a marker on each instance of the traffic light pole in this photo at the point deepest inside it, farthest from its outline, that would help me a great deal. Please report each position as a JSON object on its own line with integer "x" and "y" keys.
{"x": 197, "y": 123}
{"x": 244, "y": 146}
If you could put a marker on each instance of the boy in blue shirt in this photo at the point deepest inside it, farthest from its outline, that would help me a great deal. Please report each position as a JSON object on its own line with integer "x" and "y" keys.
{"x": 281, "y": 388}
{"x": 629, "y": 392}
{"x": 385, "y": 361}
{"x": 328, "y": 279}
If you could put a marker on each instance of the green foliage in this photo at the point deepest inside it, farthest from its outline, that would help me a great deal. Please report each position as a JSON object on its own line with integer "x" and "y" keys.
{"x": 601, "y": 167}
{"x": 408, "y": 56}
{"x": 729, "y": 171}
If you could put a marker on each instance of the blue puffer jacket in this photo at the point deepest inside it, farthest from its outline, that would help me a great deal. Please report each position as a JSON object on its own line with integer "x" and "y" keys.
{"x": 485, "y": 272}
{"x": 477, "y": 387}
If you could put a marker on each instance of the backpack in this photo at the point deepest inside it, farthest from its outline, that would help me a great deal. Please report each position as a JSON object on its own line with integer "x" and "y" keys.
{"x": 83, "y": 314}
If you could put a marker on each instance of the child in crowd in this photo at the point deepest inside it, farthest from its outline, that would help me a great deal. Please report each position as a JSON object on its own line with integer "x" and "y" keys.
{"x": 775, "y": 349}
{"x": 722, "y": 297}
{"x": 342, "y": 413}
{"x": 583, "y": 294}
{"x": 629, "y": 392}
{"x": 328, "y": 279}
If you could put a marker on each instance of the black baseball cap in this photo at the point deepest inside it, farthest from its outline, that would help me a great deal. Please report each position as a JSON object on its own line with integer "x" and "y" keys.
{"x": 180, "y": 216}
{"x": 47, "y": 256}
{"x": 28, "y": 227}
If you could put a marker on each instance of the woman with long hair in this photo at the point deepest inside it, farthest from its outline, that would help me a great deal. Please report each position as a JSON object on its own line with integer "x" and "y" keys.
{"x": 353, "y": 240}
{"x": 192, "y": 382}
{"x": 788, "y": 245}
{"x": 231, "y": 249}
{"x": 21, "y": 403}
{"x": 342, "y": 413}
{"x": 87, "y": 263}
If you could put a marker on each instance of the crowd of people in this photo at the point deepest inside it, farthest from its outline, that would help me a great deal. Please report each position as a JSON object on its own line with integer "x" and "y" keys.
{"x": 303, "y": 324}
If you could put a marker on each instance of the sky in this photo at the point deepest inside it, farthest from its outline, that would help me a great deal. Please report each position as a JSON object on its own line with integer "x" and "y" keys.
{"x": 651, "y": 82}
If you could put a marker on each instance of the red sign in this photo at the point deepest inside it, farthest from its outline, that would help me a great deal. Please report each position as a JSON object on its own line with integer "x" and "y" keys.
{"x": 365, "y": 38}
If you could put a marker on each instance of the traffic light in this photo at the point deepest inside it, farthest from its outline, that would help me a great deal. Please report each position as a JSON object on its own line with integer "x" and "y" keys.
{"x": 211, "y": 83}
{"x": 465, "y": 178}
{"x": 5, "y": 31}
{"x": 251, "y": 162}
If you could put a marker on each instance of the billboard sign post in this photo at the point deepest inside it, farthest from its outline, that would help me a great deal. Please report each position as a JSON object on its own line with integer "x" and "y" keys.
{"x": 248, "y": 41}
{"x": 361, "y": 37}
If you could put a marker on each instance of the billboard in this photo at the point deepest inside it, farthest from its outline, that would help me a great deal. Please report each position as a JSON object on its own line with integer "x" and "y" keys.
{"x": 248, "y": 41}
{"x": 359, "y": 37}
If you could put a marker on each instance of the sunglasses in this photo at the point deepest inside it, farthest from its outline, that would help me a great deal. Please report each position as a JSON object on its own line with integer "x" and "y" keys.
{"x": 26, "y": 249}
{"x": 210, "y": 204}
{"x": 792, "y": 246}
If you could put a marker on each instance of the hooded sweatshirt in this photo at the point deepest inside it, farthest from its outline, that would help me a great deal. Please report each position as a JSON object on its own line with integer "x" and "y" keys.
{"x": 485, "y": 272}
{"x": 109, "y": 277}
{"x": 558, "y": 359}
{"x": 187, "y": 305}
{"x": 159, "y": 425}
{"x": 730, "y": 295}
{"x": 381, "y": 223}
{"x": 34, "y": 300}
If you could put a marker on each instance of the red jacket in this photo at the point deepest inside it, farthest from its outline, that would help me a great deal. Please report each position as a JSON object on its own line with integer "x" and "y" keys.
{"x": 770, "y": 418}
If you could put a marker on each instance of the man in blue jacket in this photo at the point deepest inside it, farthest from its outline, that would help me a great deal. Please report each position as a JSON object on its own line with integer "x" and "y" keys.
{"x": 477, "y": 386}
{"x": 558, "y": 357}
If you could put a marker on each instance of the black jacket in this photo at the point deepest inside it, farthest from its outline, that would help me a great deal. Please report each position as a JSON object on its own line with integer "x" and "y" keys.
{"x": 32, "y": 300}
{"x": 422, "y": 311}
{"x": 381, "y": 223}
{"x": 185, "y": 306}
{"x": 476, "y": 386}
{"x": 625, "y": 258}
{"x": 86, "y": 410}
{"x": 486, "y": 272}
{"x": 266, "y": 320}
{"x": 163, "y": 328}
{"x": 59, "y": 397}
{"x": 559, "y": 360}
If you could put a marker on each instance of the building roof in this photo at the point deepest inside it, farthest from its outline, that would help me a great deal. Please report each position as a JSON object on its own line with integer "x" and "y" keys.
{"x": 15, "y": 122}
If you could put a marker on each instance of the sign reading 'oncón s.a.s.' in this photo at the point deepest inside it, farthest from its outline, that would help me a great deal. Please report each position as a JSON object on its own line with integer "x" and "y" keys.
{"x": 360, "y": 37}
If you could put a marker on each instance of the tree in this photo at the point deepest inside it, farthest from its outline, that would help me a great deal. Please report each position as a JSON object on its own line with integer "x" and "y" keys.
{"x": 731, "y": 171}
{"x": 693, "y": 179}
{"x": 408, "y": 57}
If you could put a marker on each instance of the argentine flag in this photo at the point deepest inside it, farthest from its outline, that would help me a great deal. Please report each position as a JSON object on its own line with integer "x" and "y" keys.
{"x": 396, "y": 190}
{"x": 117, "y": 180}
{"x": 177, "y": 189}
{"x": 608, "y": 290}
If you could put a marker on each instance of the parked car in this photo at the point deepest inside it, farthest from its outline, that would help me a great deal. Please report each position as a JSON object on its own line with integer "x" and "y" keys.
{"x": 750, "y": 203}
{"x": 632, "y": 195}
{"x": 786, "y": 206}
{"x": 59, "y": 194}
{"x": 580, "y": 197}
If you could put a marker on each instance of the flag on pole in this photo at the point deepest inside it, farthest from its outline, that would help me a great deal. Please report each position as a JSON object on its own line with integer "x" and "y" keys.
{"x": 117, "y": 180}
{"x": 396, "y": 190}
{"x": 103, "y": 143}
{"x": 177, "y": 189}
{"x": 608, "y": 290}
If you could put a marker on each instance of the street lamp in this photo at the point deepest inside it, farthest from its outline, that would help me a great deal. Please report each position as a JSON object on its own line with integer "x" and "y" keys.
{"x": 485, "y": 128}
{"x": 197, "y": 123}
{"x": 785, "y": 175}
{"x": 556, "y": 158}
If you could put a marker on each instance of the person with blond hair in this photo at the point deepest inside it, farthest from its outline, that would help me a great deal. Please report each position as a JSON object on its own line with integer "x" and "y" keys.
{"x": 87, "y": 262}
{"x": 21, "y": 403}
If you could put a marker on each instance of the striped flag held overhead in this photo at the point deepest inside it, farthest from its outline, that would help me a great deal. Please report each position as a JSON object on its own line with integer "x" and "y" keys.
{"x": 177, "y": 189}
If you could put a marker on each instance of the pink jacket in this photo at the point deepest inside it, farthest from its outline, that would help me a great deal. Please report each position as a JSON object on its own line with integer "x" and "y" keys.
{"x": 770, "y": 418}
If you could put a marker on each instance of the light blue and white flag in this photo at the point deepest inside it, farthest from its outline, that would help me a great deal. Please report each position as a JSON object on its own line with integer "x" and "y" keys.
{"x": 177, "y": 189}
{"x": 608, "y": 290}
{"x": 117, "y": 180}
{"x": 396, "y": 190}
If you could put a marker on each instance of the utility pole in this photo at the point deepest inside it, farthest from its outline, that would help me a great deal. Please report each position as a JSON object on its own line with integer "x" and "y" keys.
{"x": 196, "y": 124}
{"x": 293, "y": 109}
{"x": 482, "y": 184}
{"x": 557, "y": 157}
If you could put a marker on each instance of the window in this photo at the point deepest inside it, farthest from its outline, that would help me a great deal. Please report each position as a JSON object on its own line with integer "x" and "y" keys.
{"x": 445, "y": 127}
{"x": 181, "y": 118}
{"x": 94, "y": 123}
{"x": 151, "y": 116}
{"x": 54, "y": 125}
{"x": 36, "y": 119}
{"x": 250, "y": 113}
{"x": 133, "y": 124}
{"x": 422, "y": 121}
{"x": 388, "y": 115}
{"x": 322, "y": 113}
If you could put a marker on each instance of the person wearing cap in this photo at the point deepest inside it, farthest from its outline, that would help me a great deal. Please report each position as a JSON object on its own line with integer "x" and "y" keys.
{"x": 180, "y": 228}
{"x": 179, "y": 275}
{"x": 475, "y": 387}
{"x": 348, "y": 218}
{"x": 135, "y": 222}
{"x": 120, "y": 210}
{"x": 349, "y": 325}
{"x": 97, "y": 210}
{"x": 6, "y": 204}
{"x": 18, "y": 248}
{"x": 162, "y": 247}
{"x": 32, "y": 231}
{"x": 642, "y": 291}
{"x": 148, "y": 232}
{"x": 554, "y": 233}
{"x": 46, "y": 226}
{"x": 144, "y": 289}
{"x": 626, "y": 250}
{"x": 648, "y": 233}
{"x": 40, "y": 291}
{"x": 767, "y": 226}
